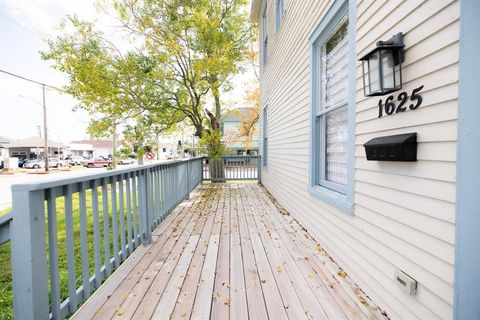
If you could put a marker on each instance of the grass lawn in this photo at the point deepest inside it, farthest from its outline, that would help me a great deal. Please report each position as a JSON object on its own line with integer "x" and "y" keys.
{"x": 6, "y": 291}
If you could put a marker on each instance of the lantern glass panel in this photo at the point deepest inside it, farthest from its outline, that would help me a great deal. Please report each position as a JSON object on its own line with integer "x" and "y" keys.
{"x": 373, "y": 73}
{"x": 388, "y": 68}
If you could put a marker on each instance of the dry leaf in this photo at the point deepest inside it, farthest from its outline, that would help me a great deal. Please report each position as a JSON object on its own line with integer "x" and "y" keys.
{"x": 279, "y": 269}
{"x": 119, "y": 311}
{"x": 264, "y": 281}
{"x": 342, "y": 273}
{"x": 311, "y": 277}
{"x": 227, "y": 302}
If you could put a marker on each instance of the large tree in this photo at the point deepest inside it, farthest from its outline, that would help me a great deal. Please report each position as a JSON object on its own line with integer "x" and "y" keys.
{"x": 204, "y": 44}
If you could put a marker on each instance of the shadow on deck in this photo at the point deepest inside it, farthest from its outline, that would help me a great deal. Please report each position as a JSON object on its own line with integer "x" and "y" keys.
{"x": 230, "y": 252}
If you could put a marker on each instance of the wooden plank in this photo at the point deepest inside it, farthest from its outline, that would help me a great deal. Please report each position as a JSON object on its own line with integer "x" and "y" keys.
{"x": 108, "y": 298}
{"x": 283, "y": 239}
{"x": 72, "y": 277}
{"x": 221, "y": 291}
{"x": 293, "y": 303}
{"x": 203, "y": 299}
{"x": 255, "y": 297}
{"x": 170, "y": 295}
{"x": 144, "y": 297}
{"x": 193, "y": 280}
{"x": 347, "y": 295}
{"x": 273, "y": 300}
{"x": 88, "y": 310}
{"x": 238, "y": 298}
{"x": 53, "y": 253}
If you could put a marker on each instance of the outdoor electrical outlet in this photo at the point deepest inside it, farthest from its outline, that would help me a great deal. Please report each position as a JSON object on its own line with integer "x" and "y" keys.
{"x": 407, "y": 283}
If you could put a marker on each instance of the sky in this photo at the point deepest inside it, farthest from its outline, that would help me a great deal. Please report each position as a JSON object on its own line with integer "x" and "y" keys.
{"x": 24, "y": 26}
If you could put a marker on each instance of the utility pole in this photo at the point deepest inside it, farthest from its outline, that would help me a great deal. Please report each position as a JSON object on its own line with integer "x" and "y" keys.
{"x": 114, "y": 138}
{"x": 45, "y": 129}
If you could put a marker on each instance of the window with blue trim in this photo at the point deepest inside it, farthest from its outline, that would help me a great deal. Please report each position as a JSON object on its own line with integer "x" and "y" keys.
{"x": 281, "y": 7}
{"x": 265, "y": 35}
{"x": 332, "y": 108}
{"x": 265, "y": 136}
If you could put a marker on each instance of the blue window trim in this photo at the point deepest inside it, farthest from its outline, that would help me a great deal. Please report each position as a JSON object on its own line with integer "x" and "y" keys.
{"x": 467, "y": 255}
{"x": 265, "y": 136}
{"x": 279, "y": 13}
{"x": 336, "y": 12}
{"x": 264, "y": 34}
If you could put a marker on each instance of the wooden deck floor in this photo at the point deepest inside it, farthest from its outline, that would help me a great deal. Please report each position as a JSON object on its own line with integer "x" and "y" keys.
{"x": 229, "y": 252}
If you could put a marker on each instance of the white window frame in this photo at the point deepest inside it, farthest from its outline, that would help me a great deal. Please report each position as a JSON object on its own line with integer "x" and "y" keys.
{"x": 336, "y": 194}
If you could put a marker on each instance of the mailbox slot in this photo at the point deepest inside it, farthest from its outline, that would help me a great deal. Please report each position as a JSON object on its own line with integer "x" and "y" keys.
{"x": 400, "y": 147}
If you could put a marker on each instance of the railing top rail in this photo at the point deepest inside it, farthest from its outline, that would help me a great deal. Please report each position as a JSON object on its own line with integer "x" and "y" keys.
{"x": 240, "y": 156}
{"x": 6, "y": 218}
{"x": 62, "y": 181}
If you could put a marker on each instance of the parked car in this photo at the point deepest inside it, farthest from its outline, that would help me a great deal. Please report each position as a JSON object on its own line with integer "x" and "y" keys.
{"x": 97, "y": 162}
{"x": 75, "y": 161}
{"x": 40, "y": 163}
{"x": 126, "y": 161}
{"x": 21, "y": 162}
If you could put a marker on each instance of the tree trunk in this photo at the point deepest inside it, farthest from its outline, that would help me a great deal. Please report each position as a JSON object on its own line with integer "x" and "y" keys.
{"x": 216, "y": 169}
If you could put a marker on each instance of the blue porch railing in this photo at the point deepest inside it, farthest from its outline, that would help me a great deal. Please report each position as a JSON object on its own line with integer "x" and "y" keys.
{"x": 121, "y": 213}
{"x": 105, "y": 217}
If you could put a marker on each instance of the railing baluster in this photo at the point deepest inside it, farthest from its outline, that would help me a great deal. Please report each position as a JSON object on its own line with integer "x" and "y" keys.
{"x": 96, "y": 235}
{"x": 83, "y": 240}
{"x": 128, "y": 181}
{"x": 157, "y": 197}
{"x": 135, "y": 208}
{"x": 122, "y": 217}
{"x": 106, "y": 227}
{"x": 72, "y": 277}
{"x": 53, "y": 253}
{"x": 29, "y": 266}
{"x": 113, "y": 187}
{"x": 164, "y": 206}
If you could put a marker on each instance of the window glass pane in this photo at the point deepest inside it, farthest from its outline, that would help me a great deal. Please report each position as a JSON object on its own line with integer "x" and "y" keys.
{"x": 334, "y": 68}
{"x": 336, "y": 145}
{"x": 387, "y": 67}
{"x": 374, "y": 80}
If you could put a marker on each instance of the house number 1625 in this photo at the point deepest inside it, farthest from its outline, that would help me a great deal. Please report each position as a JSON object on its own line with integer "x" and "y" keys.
{"x": 389, "y": 107}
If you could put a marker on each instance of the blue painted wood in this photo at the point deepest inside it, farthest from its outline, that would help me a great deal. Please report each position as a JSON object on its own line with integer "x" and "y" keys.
{"x": 467, "y": 235}
{"x": 106, "y": 226}
{"x": 136, "y": 231}
{"x": 128, "y": 181}
{"x": 84, "y": 241}
{"x": 29, "y": 265}
{"x": 72, "y": 277}
{"x": 5, "y": 221}
{"x": 53, "y": 253}
{"x": 341, "y": 197}
{"x": 122, "y": 218}
{"x": 113, "y": 194}
{"x": 96, "y": 234}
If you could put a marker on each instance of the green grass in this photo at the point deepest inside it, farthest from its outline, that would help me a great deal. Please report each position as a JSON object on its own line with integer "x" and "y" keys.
{"x": 6, "y": 292}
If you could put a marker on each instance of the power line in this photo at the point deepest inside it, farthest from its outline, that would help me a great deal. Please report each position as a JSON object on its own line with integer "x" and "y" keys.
{"x": 30, "y": 80}
{"x": 21, "y": 26}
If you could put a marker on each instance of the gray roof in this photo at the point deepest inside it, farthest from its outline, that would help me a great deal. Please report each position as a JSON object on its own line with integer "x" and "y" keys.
{"x": 4, "y": 140}
{"x": 35, "y": 142}
{"x": 235, "y": 115}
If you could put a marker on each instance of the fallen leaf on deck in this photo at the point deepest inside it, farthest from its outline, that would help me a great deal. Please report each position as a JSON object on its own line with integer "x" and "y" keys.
{"x": 264, "y": 281}
{"x": 342, "y": 273}
{"x": 119, "y": 311}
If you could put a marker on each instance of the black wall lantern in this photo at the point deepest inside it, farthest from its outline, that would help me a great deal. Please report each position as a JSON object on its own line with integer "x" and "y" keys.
{"x": 382, "y": 67}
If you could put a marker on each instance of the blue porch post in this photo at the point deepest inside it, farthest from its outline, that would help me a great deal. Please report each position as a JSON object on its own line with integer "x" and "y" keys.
{"x": 467, "y": 251}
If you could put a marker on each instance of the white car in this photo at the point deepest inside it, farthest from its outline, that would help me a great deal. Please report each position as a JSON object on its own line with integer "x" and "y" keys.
{"x": 40, "y": 163}
{"x": 126, "y": 161}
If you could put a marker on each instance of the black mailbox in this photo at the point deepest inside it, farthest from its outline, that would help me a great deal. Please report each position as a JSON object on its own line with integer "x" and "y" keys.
{"x": 400, "y": 147}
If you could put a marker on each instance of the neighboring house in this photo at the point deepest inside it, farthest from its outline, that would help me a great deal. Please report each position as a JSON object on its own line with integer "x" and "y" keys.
{"x": 100, "y": 148}
{"x": 33, "y": 147}
{"x": 80, "y": 150}
{"x": 231, "y": 123}
{"x": 4, "y": 144}
{"x": 377, "y": 218}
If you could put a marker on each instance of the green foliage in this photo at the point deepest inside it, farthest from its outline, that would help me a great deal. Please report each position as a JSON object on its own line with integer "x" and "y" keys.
{"x": 212, "y": 144}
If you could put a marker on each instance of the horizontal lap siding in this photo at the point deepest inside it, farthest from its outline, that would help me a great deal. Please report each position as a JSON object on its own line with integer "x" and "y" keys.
{"x": 404, "y": 213}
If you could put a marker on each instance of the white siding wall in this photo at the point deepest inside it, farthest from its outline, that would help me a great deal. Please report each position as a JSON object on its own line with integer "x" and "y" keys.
{"x": 404, "y": 213}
